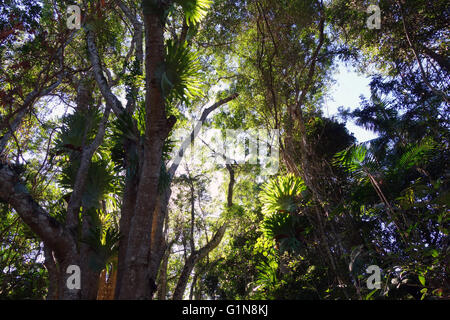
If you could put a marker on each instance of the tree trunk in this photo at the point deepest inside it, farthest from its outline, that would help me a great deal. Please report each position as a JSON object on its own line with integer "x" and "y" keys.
{"x": 136, "y": 282}
{"x": 53, "y": 274}
{"x": 126, "y": 214}
{"x": 162, "y": 285}
{"x": 107, "y": 286}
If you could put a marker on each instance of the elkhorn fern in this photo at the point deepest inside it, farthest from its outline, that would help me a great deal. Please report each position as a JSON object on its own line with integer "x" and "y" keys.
{"x": 179, "y": 80}
{"x": 282, "y": 194}
{"x": 194, "y": 10}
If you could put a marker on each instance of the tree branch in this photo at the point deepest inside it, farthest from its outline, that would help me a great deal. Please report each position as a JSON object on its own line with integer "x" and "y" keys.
{"x": 189, "y": 139}
{"x": 105, "y": 89}
{"x": 13, "y": 192}
{"x": 138, "y": 32}
{"x": 196, "y": 256}
{"x": 82, "y": 173}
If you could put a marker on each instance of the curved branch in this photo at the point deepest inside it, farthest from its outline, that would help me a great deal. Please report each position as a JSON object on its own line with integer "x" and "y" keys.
{"x": 13, "y": 192}
{"x": 189, "y": 139}
{"x": 211, "y": 245}
{"x": 138, "y": 32}
{"x": 105, "y": 89}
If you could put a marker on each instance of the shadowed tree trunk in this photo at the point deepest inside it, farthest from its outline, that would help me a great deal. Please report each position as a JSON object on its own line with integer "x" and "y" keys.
{"x": 107, "y": 285}
{"x": 162, "y": 285}
{"x": 136, "y": 281}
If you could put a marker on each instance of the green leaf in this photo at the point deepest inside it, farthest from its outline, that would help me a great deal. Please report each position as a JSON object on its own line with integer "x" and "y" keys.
{"x": 424, "y": 293}
{"x": 194, "y": 10}
{"x": 417, "y": 154}
{"x": 371, "y": 294}
{"x": 282, "y": 194}
{"x": 422, "y": 279}
{"x": 180, "y": 74}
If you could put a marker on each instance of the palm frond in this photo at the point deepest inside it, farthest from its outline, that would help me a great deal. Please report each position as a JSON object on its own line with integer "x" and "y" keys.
{"x": 357, "y": 160}
{"x": 417, "y": 154}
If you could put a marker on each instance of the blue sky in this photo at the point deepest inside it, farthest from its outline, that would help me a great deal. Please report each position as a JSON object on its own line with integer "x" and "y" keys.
{"x": 346, "y": 92}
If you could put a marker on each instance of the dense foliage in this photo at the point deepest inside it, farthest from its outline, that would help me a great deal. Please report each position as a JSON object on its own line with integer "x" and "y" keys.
{"x": 80, "y": 126}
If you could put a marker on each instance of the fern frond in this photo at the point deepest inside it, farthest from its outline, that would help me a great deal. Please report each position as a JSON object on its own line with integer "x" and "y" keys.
{"x": 417, "y": 154}
{"x": 180, "y": 78}
{"x": 282, "y": 194}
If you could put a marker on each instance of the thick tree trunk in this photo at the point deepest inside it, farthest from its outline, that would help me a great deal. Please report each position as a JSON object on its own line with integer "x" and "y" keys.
{"x": 144, "y": 209}
{"x": 107, "y": 285}
{"x": 62, "y": 246}
{"x": 136, "y": 282}
{"x": 128, "y": 203}
{"x": 89, "y": 275}
{"x": 53, "y": 274}
{"x": 157, "y": 238}
{"x": 157, "y": 241}
{"x": 46, "y": 227}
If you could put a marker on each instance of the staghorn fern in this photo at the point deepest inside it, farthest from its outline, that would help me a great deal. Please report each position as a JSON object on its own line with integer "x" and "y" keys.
{"x": 282, "y": 194}
{"x": 267, "y": 273}
{"x": 76, "y": 127}
{"x": 179, "y": 79}
{"x": 103, "y": 239}
{"x": 281, "y": 199}
{"x": 194, "y": 10}
{"x": 100, "y": 181}
{"x": 285, "y": 229}
{"x": 277, "y": 225}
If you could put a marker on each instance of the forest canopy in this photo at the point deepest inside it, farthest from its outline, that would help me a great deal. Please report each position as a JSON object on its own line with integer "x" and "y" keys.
{"x": 179, "y": 149}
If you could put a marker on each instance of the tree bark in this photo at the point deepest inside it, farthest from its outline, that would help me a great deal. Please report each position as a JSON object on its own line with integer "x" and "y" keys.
{"x": 136, "y": 282}
{"x": 162, "y": 285}
{"x": 144, "y": 206}
{"x": 53, "y": 274}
